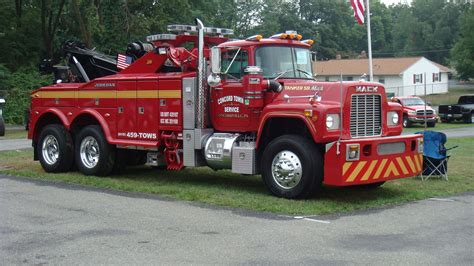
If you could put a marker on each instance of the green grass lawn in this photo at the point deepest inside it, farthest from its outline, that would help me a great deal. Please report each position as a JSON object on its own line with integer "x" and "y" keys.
{"x": 439, "y": 126}
{"x": 223, "y": 188}
{"x": 448, "y": 98}
{"x": 16, "y": 133}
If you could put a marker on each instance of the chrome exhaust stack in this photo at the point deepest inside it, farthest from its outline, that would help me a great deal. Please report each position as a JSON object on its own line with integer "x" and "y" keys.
{"x": 201, "y": 76}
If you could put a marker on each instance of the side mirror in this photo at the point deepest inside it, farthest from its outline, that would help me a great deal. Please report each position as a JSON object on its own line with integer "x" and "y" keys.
{"x": 313, "y": 56}
{"x": 216, "y": 60}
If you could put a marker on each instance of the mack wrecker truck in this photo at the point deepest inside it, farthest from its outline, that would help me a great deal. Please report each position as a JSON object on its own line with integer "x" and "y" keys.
{"x": 198, "y": 98}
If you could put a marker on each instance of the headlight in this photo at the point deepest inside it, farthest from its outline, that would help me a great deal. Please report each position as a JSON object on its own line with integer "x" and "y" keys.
{"x": 332, "y": 121}
{"x": 392, "y": 118}
{"x": 412, "y": 112}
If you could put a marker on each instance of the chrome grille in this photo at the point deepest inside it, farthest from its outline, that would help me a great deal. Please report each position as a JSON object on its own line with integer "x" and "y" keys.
{"x": 366, "y": 115}
{"x": 422, "y": 112}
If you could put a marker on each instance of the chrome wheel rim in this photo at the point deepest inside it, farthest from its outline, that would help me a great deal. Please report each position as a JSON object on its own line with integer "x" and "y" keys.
{"x": 89, "y": 152}
{"x": 50, "y": 149}
{"x": 287, "y": 169}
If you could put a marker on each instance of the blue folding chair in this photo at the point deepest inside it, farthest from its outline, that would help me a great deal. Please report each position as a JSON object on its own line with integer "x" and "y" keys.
{"x": 435, "y": 156}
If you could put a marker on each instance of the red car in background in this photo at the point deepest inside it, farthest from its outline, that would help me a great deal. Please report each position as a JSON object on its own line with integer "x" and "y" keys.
{"x": 414, "y": 111}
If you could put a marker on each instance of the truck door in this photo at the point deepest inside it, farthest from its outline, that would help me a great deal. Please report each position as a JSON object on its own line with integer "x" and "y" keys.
{"x": 228, "y": 109}
{"x": 127, "y": 110}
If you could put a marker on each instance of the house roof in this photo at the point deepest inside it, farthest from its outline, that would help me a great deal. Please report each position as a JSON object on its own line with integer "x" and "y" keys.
{"x": 381, "y": 66}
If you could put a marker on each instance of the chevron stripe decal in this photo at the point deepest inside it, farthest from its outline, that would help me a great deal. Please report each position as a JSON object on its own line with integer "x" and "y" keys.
{"x": 382, "y": 169}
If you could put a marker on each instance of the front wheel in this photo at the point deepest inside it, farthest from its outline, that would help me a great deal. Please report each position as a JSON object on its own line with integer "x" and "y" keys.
{"x": 94, "y": 155}
{"x": 292, "y": 167}
{"x": 431, "y": 124}
{"x": 406, "y": 122}
{"x": 469, "y": 118}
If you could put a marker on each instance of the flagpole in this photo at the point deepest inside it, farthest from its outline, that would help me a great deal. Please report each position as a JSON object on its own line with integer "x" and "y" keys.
{"x": 369, "y": 40}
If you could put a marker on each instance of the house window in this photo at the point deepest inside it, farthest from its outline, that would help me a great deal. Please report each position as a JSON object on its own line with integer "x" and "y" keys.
{"x": 382, "y": 80}
{"x": 437, "y": 77}
{"x": 349, "y": 78}
{"x": 326, "y": 78}
{"x": 417, "y": 78}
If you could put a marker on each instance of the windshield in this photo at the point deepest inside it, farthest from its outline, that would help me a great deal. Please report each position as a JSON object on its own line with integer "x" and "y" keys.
{"x": 466, "y": 100}
{"x": 412, "y": 101}
{"x": 289, "y": 62}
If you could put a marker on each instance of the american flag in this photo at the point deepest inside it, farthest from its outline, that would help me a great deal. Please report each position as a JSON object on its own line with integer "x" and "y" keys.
{"x": 123, "y": 61}
{"x": 359, "y": 9}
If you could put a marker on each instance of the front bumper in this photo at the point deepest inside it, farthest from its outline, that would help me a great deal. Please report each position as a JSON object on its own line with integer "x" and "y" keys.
{"x": 415, "y": 119}
{"x": 380, "y": 159}
{"x": 450, "y": 116}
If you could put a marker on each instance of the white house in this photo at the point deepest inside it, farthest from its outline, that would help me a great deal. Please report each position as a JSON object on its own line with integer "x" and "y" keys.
{"x": 402, "y": 76}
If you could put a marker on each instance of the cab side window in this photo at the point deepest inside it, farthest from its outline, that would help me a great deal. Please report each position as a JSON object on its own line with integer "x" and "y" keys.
{"x": 236, "y": 68}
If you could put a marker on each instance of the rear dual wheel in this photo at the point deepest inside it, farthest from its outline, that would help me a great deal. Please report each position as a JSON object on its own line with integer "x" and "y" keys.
{"x": 292, "y": 167}
{"x": 55, "y": 149}
{"x": 93, "y": 154}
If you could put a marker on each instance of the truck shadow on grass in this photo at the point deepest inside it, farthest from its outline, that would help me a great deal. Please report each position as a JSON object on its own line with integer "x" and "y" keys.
{"x": 223, "y": 181}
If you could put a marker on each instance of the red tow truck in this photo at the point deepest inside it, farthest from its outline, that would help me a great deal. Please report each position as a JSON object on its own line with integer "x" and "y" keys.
{"x": 251, "y": 106}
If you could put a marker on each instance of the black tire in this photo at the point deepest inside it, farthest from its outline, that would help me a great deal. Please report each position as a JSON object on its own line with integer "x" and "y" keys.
{"x": 431, "y": 124}
{"x": 371, "y": 186}
{"x": 51, "y": 136}
{"x": 311, "y": 166}
{"x": 469, "y": 118}
{"x": 94, "y": 155}
{"x": 406, "y": 122}
{"x": 2, "y": 127}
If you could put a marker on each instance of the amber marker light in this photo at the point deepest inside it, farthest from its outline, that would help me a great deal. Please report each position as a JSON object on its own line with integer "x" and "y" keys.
{"x": 257, "y": 37}
{"x": 299, "y": 37}
{"x": 310, "y": 42}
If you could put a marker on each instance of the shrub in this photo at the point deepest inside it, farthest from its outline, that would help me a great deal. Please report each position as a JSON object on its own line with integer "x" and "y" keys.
{"x": 16, "y": 88}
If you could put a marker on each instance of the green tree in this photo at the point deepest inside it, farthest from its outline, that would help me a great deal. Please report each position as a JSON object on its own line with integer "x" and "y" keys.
{"x": 463, "y": 52}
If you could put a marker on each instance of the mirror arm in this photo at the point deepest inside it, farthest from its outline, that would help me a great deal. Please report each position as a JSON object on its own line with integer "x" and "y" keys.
{"x": 231, "y": 62}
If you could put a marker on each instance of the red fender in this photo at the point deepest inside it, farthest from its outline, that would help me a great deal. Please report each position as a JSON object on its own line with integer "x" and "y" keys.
{"x": 59, "y": 114}
{"x": 102, "y": 122}
{"x": 299, "y": 116}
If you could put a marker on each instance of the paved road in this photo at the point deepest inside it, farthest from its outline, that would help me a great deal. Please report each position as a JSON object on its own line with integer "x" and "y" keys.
{"x": 14, "y": 144}
{"x": 43, "y": 222}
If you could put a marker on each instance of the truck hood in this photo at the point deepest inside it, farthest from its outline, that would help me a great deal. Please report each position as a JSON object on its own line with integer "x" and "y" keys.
{"x": 328, "y": 91}
{"x": 418, "y": 107}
